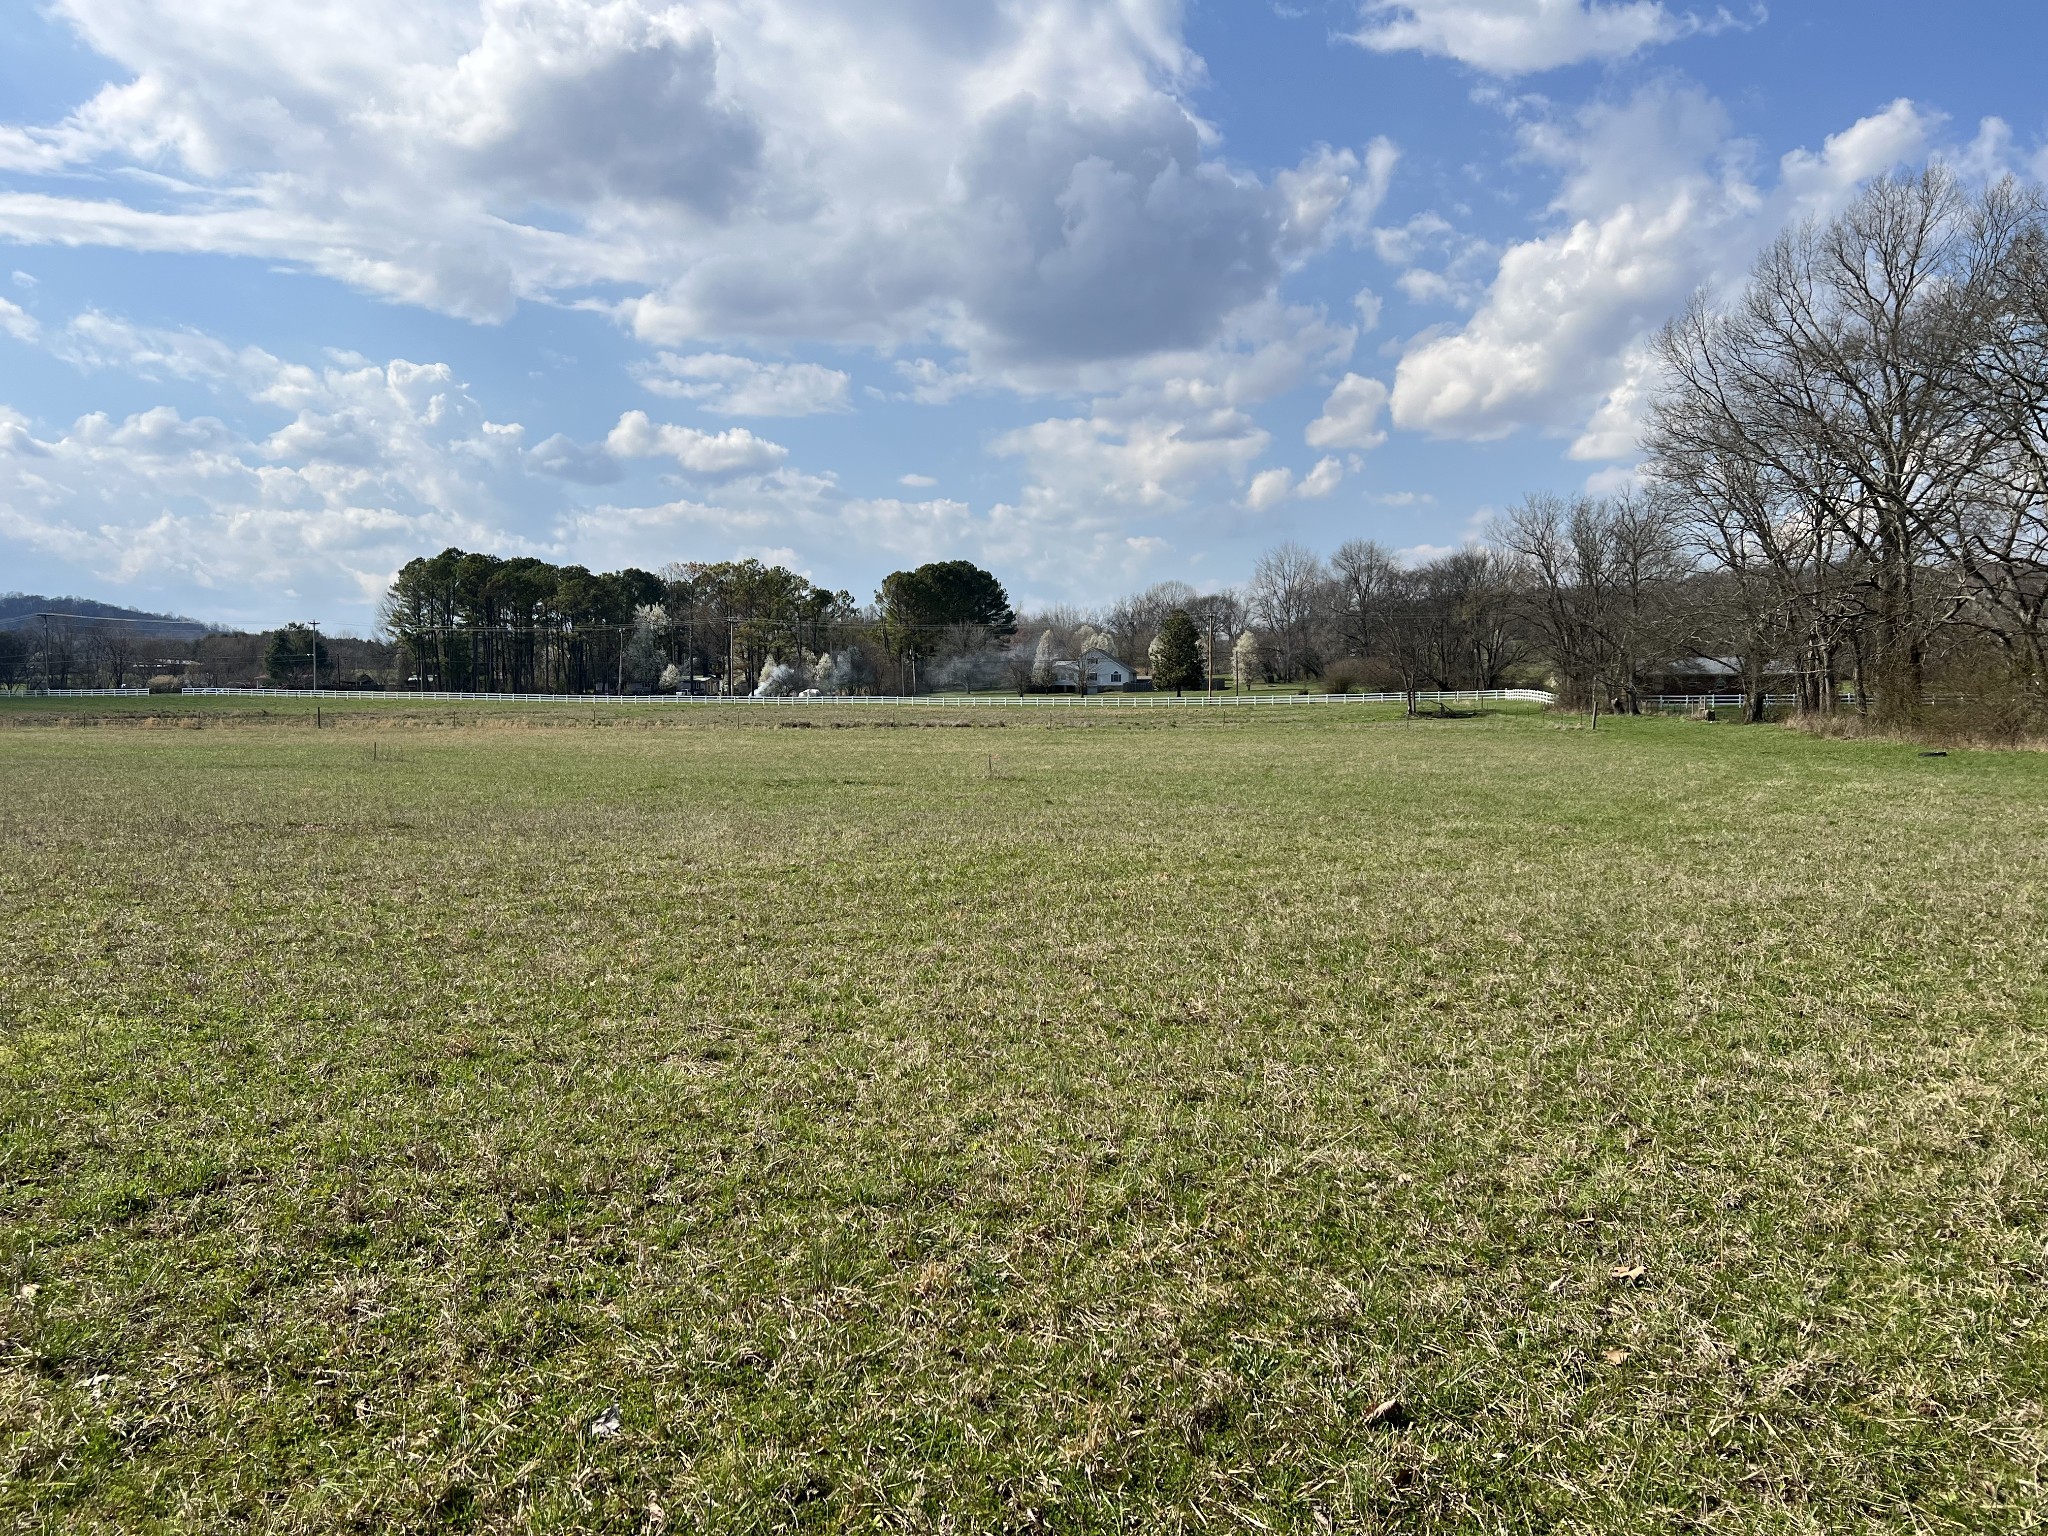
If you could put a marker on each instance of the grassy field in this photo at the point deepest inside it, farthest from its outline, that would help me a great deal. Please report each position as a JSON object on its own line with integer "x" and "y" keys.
{"x": 991, "y": 1121}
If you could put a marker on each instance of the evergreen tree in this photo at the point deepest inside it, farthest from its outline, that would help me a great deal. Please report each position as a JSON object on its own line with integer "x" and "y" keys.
{"x": 1177, "y": 656}
{"x": 941, "y": 595}
{"x": 291, "y": 657}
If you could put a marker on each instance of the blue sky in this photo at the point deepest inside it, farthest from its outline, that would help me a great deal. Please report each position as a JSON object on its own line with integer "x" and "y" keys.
{"x": 1097, "y": 294}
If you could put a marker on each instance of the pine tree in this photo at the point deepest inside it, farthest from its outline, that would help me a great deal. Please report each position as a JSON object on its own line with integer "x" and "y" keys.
{"x": 1177, "y": 653}
{"x": 295, "y": 651}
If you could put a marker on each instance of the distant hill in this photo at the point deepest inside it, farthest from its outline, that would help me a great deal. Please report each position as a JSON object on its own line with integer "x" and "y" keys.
{"x": 20, "y": 610}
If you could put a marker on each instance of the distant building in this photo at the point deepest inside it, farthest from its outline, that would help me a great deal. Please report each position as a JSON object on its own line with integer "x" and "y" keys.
{"x": 1104, "y": 673}
{"x": 1096, "y": 672}
{"x": 1713, "y": 674}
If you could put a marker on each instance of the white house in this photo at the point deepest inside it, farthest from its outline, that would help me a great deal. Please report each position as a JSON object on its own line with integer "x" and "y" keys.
{"x": 1102, "y": 672}
{"x": 1096, "y": 672}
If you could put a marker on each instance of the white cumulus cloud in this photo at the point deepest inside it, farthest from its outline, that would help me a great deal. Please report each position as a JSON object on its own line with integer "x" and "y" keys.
{"x": 369, "y": 464}
{"x": 1024, "y": 181}
{"x": 324, "y": 479}
{"x": 1655, "y": 200}
{"x": 1351, "y": 416}
{"x": 1324, "y": 478}
{"x": 734, "y": 451}
{"x": 1150, "y": 462}
{"x": 1518, "y": 37}
{"x": 740, "y": 386}
{"x": 1335, "y": 193}
{"x": 1271, "y": 487}
{"x": 18, "y": 322}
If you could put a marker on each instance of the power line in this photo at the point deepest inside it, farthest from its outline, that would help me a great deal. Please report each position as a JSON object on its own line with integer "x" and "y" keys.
{"x": 96, "y": 618}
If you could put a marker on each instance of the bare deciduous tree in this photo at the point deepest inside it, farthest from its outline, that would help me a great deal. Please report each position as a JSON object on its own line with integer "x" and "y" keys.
{"x": 1364, "y": 576}
{"x": 1844, "y": 377}
{"x": 1600, "y": 590}
{"x": 1286, "y": 597}
{"x": 1133, "y": 622}
{"x": 1999, "y": 539}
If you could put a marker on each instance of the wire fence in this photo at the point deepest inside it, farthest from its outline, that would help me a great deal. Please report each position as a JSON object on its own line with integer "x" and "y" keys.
{"x": 1690, "y": 701}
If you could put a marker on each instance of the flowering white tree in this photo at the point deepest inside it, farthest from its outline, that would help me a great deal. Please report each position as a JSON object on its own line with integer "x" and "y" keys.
{"x": 778, "y": 679}
{"x": 1244, "y": 661}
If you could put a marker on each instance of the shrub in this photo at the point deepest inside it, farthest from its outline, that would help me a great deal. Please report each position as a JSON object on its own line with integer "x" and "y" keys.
{"x": 163, "y": 682}
{"x": 2000, "y": 722}
{"x": 1353, "y": 674}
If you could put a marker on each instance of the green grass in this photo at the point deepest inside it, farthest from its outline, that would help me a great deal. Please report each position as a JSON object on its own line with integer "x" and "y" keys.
{"x": 1087, "y": 1140}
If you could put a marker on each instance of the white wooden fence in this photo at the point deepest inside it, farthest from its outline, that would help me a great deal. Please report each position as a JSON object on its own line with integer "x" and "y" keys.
{"x": 1665, "y": 703}
{"x": 918, "y": 700}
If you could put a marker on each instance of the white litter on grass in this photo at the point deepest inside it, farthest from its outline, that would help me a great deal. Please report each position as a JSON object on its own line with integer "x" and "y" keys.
{"x": 606, "y": 1424}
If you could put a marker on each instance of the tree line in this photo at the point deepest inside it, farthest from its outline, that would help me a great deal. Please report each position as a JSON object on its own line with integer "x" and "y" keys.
{"x": 1843, "y": 499}
{"x": 1855, "y": 450}
{"x": 1360, "y": 618}
{"x": 476, "y": 622}
{"x": 471, "y": 622}
{"x": 88, "y": 649}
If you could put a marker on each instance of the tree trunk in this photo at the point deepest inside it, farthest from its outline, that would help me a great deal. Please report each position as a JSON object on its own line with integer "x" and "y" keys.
{"x": 1898, "y": 684}
{"x": 1899, "y": 680}
{"x": 1817, "y": 675}
{"x": 1752, "y": 701}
